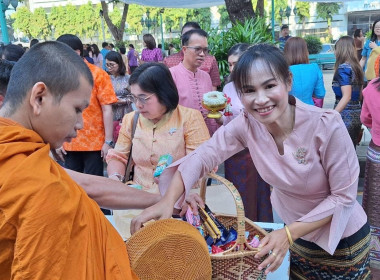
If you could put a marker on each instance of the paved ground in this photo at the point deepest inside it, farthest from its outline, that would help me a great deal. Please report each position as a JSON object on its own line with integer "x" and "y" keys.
{"x": 217, "y": 194}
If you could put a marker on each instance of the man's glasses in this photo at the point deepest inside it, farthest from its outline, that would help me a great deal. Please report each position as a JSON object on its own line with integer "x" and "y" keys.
{"x": 198, "y": 50}
{"x": 142, "y": 100}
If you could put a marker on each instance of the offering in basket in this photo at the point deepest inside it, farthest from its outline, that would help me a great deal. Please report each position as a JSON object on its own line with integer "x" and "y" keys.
{"x": 214, "y": 101}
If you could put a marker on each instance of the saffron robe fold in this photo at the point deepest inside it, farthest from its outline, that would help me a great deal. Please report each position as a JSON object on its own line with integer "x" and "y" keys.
{"x": 49, "y": 227}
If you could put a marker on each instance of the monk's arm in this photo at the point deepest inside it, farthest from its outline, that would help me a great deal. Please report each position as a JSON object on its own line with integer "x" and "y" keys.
{"x": 112, "y": 194}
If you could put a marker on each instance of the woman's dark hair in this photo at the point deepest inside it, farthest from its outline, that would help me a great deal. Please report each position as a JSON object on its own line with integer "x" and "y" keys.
{"x": 116, "y": 57}
{"x": 12, "y": 52}
{"x": 131, "y": 45}
{"x": 345, "y": 52}
{"x": 238, "y": 49}
{"x": 96, "y": 50}
{"x": 357, "y": 33}
{"x": 269, "y": 56}
{"x": 373, "y": 35}
{"x": 149, "y": 41}
{"x": 296, "y": 52}
{"x": 156, "y": 78}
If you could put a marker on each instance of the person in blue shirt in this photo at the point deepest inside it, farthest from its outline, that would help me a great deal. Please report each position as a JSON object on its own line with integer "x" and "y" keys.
{"x": 105, "y": 50}
{"x": 347, "y": 85}
{"x": 370, "y": 44}
{"x": 284, "y": 36}
{"x": 307, "y": 78}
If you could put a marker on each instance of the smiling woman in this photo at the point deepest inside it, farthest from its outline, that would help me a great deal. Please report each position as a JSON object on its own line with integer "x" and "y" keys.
{"x": 163, "y": 129}
{"x": 305, "y": 153}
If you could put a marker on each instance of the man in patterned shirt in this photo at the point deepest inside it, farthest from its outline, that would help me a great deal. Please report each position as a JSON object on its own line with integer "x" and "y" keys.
{"x": 85, "y": 153}
{"x": 209, "y": 64}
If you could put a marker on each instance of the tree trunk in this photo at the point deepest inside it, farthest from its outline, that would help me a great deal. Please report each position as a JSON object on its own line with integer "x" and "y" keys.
{"x": 116, "y": 32}
{"x": 260, "y": 8}
{"x": 239, "y": 10}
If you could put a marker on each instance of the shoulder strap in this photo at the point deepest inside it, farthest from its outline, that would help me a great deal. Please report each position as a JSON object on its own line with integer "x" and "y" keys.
{"x": 129, "y": 163}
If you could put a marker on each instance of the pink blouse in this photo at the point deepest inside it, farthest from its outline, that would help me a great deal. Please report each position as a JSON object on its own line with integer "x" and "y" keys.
{"x": 236, "y": 105}
{"x": 370, "y": 111}
{"x": 316, "y": 177}
{"x": 191, "y": 87}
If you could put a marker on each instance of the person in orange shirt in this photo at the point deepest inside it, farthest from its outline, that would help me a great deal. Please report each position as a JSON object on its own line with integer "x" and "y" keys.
{"x": 85, "y": 153}
{"x": 49, "y": 227}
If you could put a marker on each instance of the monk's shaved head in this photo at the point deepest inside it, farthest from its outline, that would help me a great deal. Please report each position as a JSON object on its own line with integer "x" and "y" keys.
{"x": 53, "y": 63}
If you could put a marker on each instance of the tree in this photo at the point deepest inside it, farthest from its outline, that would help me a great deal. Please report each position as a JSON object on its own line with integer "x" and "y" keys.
{"x": 22, "y": 21}
{"x": 260, "y": 8}
{"x": 39, "y": 24}
{"x": 239, "y": 10}
{"x": 326, "y": 11}
{"x": 88, "y": 21}
{"x": 117, "y": 31}
{"x": 303, "y": 10}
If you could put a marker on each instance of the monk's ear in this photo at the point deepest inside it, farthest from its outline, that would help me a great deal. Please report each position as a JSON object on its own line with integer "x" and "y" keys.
{"x": 38, "y": 96}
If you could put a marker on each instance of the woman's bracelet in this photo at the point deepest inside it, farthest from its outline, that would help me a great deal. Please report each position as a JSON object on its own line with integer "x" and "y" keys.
{"x": 118, "y": 176}
{"x": 290, "y": 239}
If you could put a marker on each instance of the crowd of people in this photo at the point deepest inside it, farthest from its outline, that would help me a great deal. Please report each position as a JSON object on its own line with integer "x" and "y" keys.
{"x": 130, "y": 112}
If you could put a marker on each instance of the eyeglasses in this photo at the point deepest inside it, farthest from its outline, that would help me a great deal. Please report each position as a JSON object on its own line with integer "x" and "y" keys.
{"x": 142, "y": 100}
{"x": 111, "y": 65}
{"x": 198, "y": 50}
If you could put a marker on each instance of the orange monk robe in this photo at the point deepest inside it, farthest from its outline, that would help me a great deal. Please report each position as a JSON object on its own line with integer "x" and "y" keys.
{"x": 49, "y": 227}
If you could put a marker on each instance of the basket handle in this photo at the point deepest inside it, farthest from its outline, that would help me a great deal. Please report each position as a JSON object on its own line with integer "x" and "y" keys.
{"x": 238, "y": 203}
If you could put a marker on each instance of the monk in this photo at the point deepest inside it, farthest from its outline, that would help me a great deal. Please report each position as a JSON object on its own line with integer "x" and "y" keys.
{"x": 49, "y": 227}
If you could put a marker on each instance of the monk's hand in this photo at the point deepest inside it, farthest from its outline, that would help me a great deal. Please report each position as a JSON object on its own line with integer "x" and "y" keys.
{"x": 158, "y": 211}
{"x": 193, "y": 200}
{"x": 275, "y": 244}
{"x": 59, "y": 154}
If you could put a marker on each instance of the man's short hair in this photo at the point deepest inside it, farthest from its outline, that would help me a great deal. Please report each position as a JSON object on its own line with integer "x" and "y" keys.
{"x": 132, "y": 46}
{"x": 188, "y": 34}
{"x": 123, "y": 50}
{"x": 171, "y": 45}
{"x": 191, "y": 24}
{"x": 5, "y": 74}
{"x": 72, "y": 41}
{"x": 12, "y": 52}
{"x": 52, "y": 63}
{"x": 285, "y": 26}
{"x": 104, "y": 44}
{"x": 33, "y": 42}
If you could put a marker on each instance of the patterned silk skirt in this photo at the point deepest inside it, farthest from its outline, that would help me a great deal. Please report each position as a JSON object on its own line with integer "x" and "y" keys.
{"x": 255, "y": 192}
{"x": 371, "y": 200}
{"x": 351, "y": 118}
{"x": 350, "y": 261}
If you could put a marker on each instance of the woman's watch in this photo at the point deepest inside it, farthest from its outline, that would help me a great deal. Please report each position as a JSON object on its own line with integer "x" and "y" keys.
{"x": 109, "y": 143}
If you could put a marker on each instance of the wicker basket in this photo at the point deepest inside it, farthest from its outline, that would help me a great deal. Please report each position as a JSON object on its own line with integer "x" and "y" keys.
{"x": 169, "y": 250}
{"x": 235, "y": 263}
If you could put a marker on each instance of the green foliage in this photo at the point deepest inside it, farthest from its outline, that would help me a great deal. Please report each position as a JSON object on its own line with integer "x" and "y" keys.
{"x": 88, "y": 21}
{"x": 326, "y": 10}
{"x": 314, "y": 44}
{"x": 39, "y": 24}
{"x": 22, "y": 19}
{"x": 278, "y": 4}
{"x": 252, "y": 31}
{"x": 224, "y": 17}
{"x": 303, "y": 10}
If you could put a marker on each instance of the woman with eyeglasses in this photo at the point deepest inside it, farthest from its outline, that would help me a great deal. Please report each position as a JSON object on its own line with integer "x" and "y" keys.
{"x": 117, "y": 70}
{"x": 163, "y": 128}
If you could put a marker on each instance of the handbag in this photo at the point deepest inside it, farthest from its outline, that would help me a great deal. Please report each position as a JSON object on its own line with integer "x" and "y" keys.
{"x": 129, "y": 169}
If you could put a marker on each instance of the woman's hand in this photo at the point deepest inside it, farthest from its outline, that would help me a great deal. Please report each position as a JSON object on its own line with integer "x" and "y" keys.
{"x": 158, "y": 211}
{"x": 193, "y": 200}
{"x": 372, "y": 45}
{"x": 277, "y": 243}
